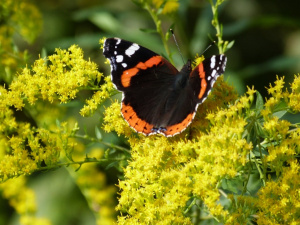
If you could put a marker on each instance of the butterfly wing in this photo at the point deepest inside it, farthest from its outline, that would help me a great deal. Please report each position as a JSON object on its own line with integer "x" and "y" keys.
{"x": 203, "y": 77}
{"x": 196, "y": 90}
{"x": 145, "y": 79}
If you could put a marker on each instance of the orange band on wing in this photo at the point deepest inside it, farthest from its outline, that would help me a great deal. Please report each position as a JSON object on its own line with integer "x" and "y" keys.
{"x": 203, "y": 81}
{"x": 134, "y": 121}
{"x": 127, "y": 74}
{"x": 177, "y": 128}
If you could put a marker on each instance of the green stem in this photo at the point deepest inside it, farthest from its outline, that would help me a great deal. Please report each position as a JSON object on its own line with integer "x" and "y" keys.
{"x": 59, "y": 165}
{"x": 85, "y": 137}
{"x": 262, "y": 174}
{"x": 190, "y": 206}
{"x": 216, "y": 24}
{"x": 88, "y": 160}
{"x": 159, "y": 30}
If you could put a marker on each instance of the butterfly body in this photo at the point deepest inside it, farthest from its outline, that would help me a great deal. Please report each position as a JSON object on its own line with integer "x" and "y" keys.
{"x": 157, "y": 98}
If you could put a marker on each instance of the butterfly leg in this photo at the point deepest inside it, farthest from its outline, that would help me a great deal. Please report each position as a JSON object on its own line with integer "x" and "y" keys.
{"x": 160, "y": 130}
{"x": 154, "y": 129}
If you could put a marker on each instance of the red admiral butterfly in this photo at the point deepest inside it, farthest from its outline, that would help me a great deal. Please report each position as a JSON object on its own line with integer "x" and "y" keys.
{"x": 157, "y": 98}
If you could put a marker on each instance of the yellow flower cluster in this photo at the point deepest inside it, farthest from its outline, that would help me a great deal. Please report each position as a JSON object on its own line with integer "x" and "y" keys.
{"x": 98, "y": 97}
{"x": 106, "y": 91}
{"x": 279, "y": 95}
{"x": 285, "y": 144}
{"x": 294, "y": 97}
{"x": 26, "y": 148}
{"x": 17, "y": 16}
{"x": 165, "y": 174}
{"x": 66, "y": 73}
{"x": 22, "y": 199}
{"x": 25, "y": 18}
{"x": 112, "y": 116}
{"x": 279, "y": 200}
{"x": 168, "y": 7}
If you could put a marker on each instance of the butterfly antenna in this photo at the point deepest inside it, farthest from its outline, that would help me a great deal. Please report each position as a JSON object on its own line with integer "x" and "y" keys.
{"x": 177, "y": 45}
{"x": 211, "y": 44}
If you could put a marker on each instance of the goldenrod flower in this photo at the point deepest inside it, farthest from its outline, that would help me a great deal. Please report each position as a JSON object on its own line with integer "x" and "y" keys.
{"x": 164, "y": 173}
{"x": 168, "y": 7}
{"x": 22, "y": 199}
{"x": 279, "y": 202}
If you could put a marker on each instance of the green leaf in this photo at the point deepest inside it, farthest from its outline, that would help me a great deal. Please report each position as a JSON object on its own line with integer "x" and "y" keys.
{"x": 78, "y": 167}
{"x": 280, "y": 114}
{"x": 282, "y": 106}
{"x": 149, "y": 31}
{"x": 57, "y": 123}
{"x": 44, "y": 53}
{"x": 105, "y": 21}
{"x": 232, "y": 185}
{"x": 161, "y": 7}
{"x": 98, "y": 133}
{"x": 259, "y": 130}
{"x": 229, "y": 45}
{"x": 259, "y": 105}
{"x": 280, "y": 109}
{"x": 113, "y": 164}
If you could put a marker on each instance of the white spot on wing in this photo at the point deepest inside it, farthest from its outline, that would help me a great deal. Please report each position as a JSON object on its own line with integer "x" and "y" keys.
{"x": 213, "y": 61}
{"x": 224, "y": 64}
{"x": 213, "y": 73}
{"x": 104, "y": 45}
{"x": 118, "y": 41}
{"x": 212, "y": 84}
{"x": 124, "y": 65}
{"x": 132, "y": 49}
{"x": 119, "y": 58}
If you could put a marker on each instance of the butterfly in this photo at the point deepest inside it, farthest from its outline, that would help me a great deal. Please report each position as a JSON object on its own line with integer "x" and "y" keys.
{"x": 157, "y": 98}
